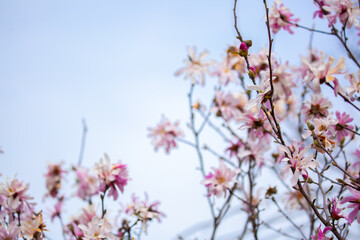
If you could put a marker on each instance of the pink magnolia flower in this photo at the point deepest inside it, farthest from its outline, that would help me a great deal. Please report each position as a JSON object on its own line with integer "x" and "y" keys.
{"x": 354, "y": 169}
{"x": 234, "y": 148}
{"x": 320, "y": 13}
{"x": 347, "y": 11}
{"x": 144, "y": 211}
{"x": 58, "y": 208}
{"x": 336, "y": 210}
{"x": 297, "y": 161}
{"x": 112, "y": 176}
{"x": 355, "y": 84}
{"x": 320, "y": 234}
{"x": 53, "y": 178}
{"x": 324, "y": 132}
{"x": 87, "y": 184}
{"x": 196, "y": 67}
{"x": 260, "y": 61}
{"x": 11, "y": 232}
{"x": 97, "y": 229}
{"x": 281, "y": 17}
{"x": 34, "y": 227}
{"x": 341, "y": 127}
{"x": 226, "y": 71}
{"x": 220, "y": 180}
{"x": 317, "y": 108}
{"x": 164, "y": 134}
{"x": 264, "y": 90}
{"x": 353, "y": 202}
{"x": 256, "y": 150}
{"x": 226, "y": 106}
{"x": 14, "y": 196}
{"x": 257, "y": 125}
{"x": 321, "y": 72}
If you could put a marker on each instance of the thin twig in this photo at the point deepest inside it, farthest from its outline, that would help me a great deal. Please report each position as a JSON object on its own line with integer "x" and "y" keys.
{"x": 287, "y": 218}
{"x": 83, "y": 139}
{"x": 279, "y": 231}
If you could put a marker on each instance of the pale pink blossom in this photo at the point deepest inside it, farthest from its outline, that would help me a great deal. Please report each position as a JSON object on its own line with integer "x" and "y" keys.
{"x": 342, "y": 128}
{"x": 324, "y": 133}
{"x": 9, "y": 232}
{"x": 281, "y": 17}
{"x": 336, "y": 210}
{"x": 320, "y": 234}
{"x": 234, "y": 148}
{"x": 320, "y": 12}
{"x": 255, "y": 151}
{"x": 196, "y": 67}
{"x": 317, "y": 108}
{"x": 220, "y": 180}
{"x": 354, "y": 169}
{"x": 226, "y": 106}
{"x": 283, "y": 79}
{"x": 257, "y": 125}
{"x": 297, "y": 161}
{"x": 54, "y": 177}
{"x": 347, "y": 11}
{"x": 57, "y": 209}
{"x": 14, "y": 196}
{"x": 264, "y": 93}
{"x": 321, "y": 72}
{"x": 34, "y": 227}
{"x": 165, "y": 134}
{"x": 113, "y": 177}
{"x": 144, "y": 211}
{"x": 97, "y": 229}
{"x": 87, "y": 184}
{"x": 260, "y": 61}
{"x": 355, "y": 84}
{"x": 226, "y": 71}
{"x": 353, "y": 202}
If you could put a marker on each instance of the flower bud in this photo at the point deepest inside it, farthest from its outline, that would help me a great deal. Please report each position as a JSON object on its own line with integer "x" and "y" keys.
{"x": 248, "y": 43}
{"x": 243, "y": 49}
{"x": 310, "y": 126}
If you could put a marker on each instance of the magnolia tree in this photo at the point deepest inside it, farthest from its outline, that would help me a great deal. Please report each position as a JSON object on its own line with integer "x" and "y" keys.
{"x": 288, "y": 160}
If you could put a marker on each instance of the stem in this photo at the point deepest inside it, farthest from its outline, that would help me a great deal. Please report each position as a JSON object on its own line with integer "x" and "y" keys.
{"x": 62, "y": 226}
{"x": 83, "y": 139}
{"x": 239, "y": 35}
{"x": 102, "y": 196}
{"x": 287, "y": 218}
{"x": 344, "y": 97}
{"x": 197, "y": 144}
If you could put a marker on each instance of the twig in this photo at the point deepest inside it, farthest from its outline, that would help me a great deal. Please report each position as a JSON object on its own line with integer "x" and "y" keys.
{"x": 287, "y": 218}
{"x": 238, "y": 33}
{"x": 83, "y": 139}
{"x": 197, "y": 144}
{"x": 344, "y": 97}
{"x": 279, "y": 231}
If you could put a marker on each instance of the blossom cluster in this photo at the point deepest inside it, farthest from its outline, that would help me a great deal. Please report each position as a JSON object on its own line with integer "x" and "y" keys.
{"x": 281, "y": 119}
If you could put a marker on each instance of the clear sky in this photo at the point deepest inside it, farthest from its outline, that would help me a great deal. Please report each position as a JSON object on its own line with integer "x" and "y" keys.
{"x": 112, "y": 63}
